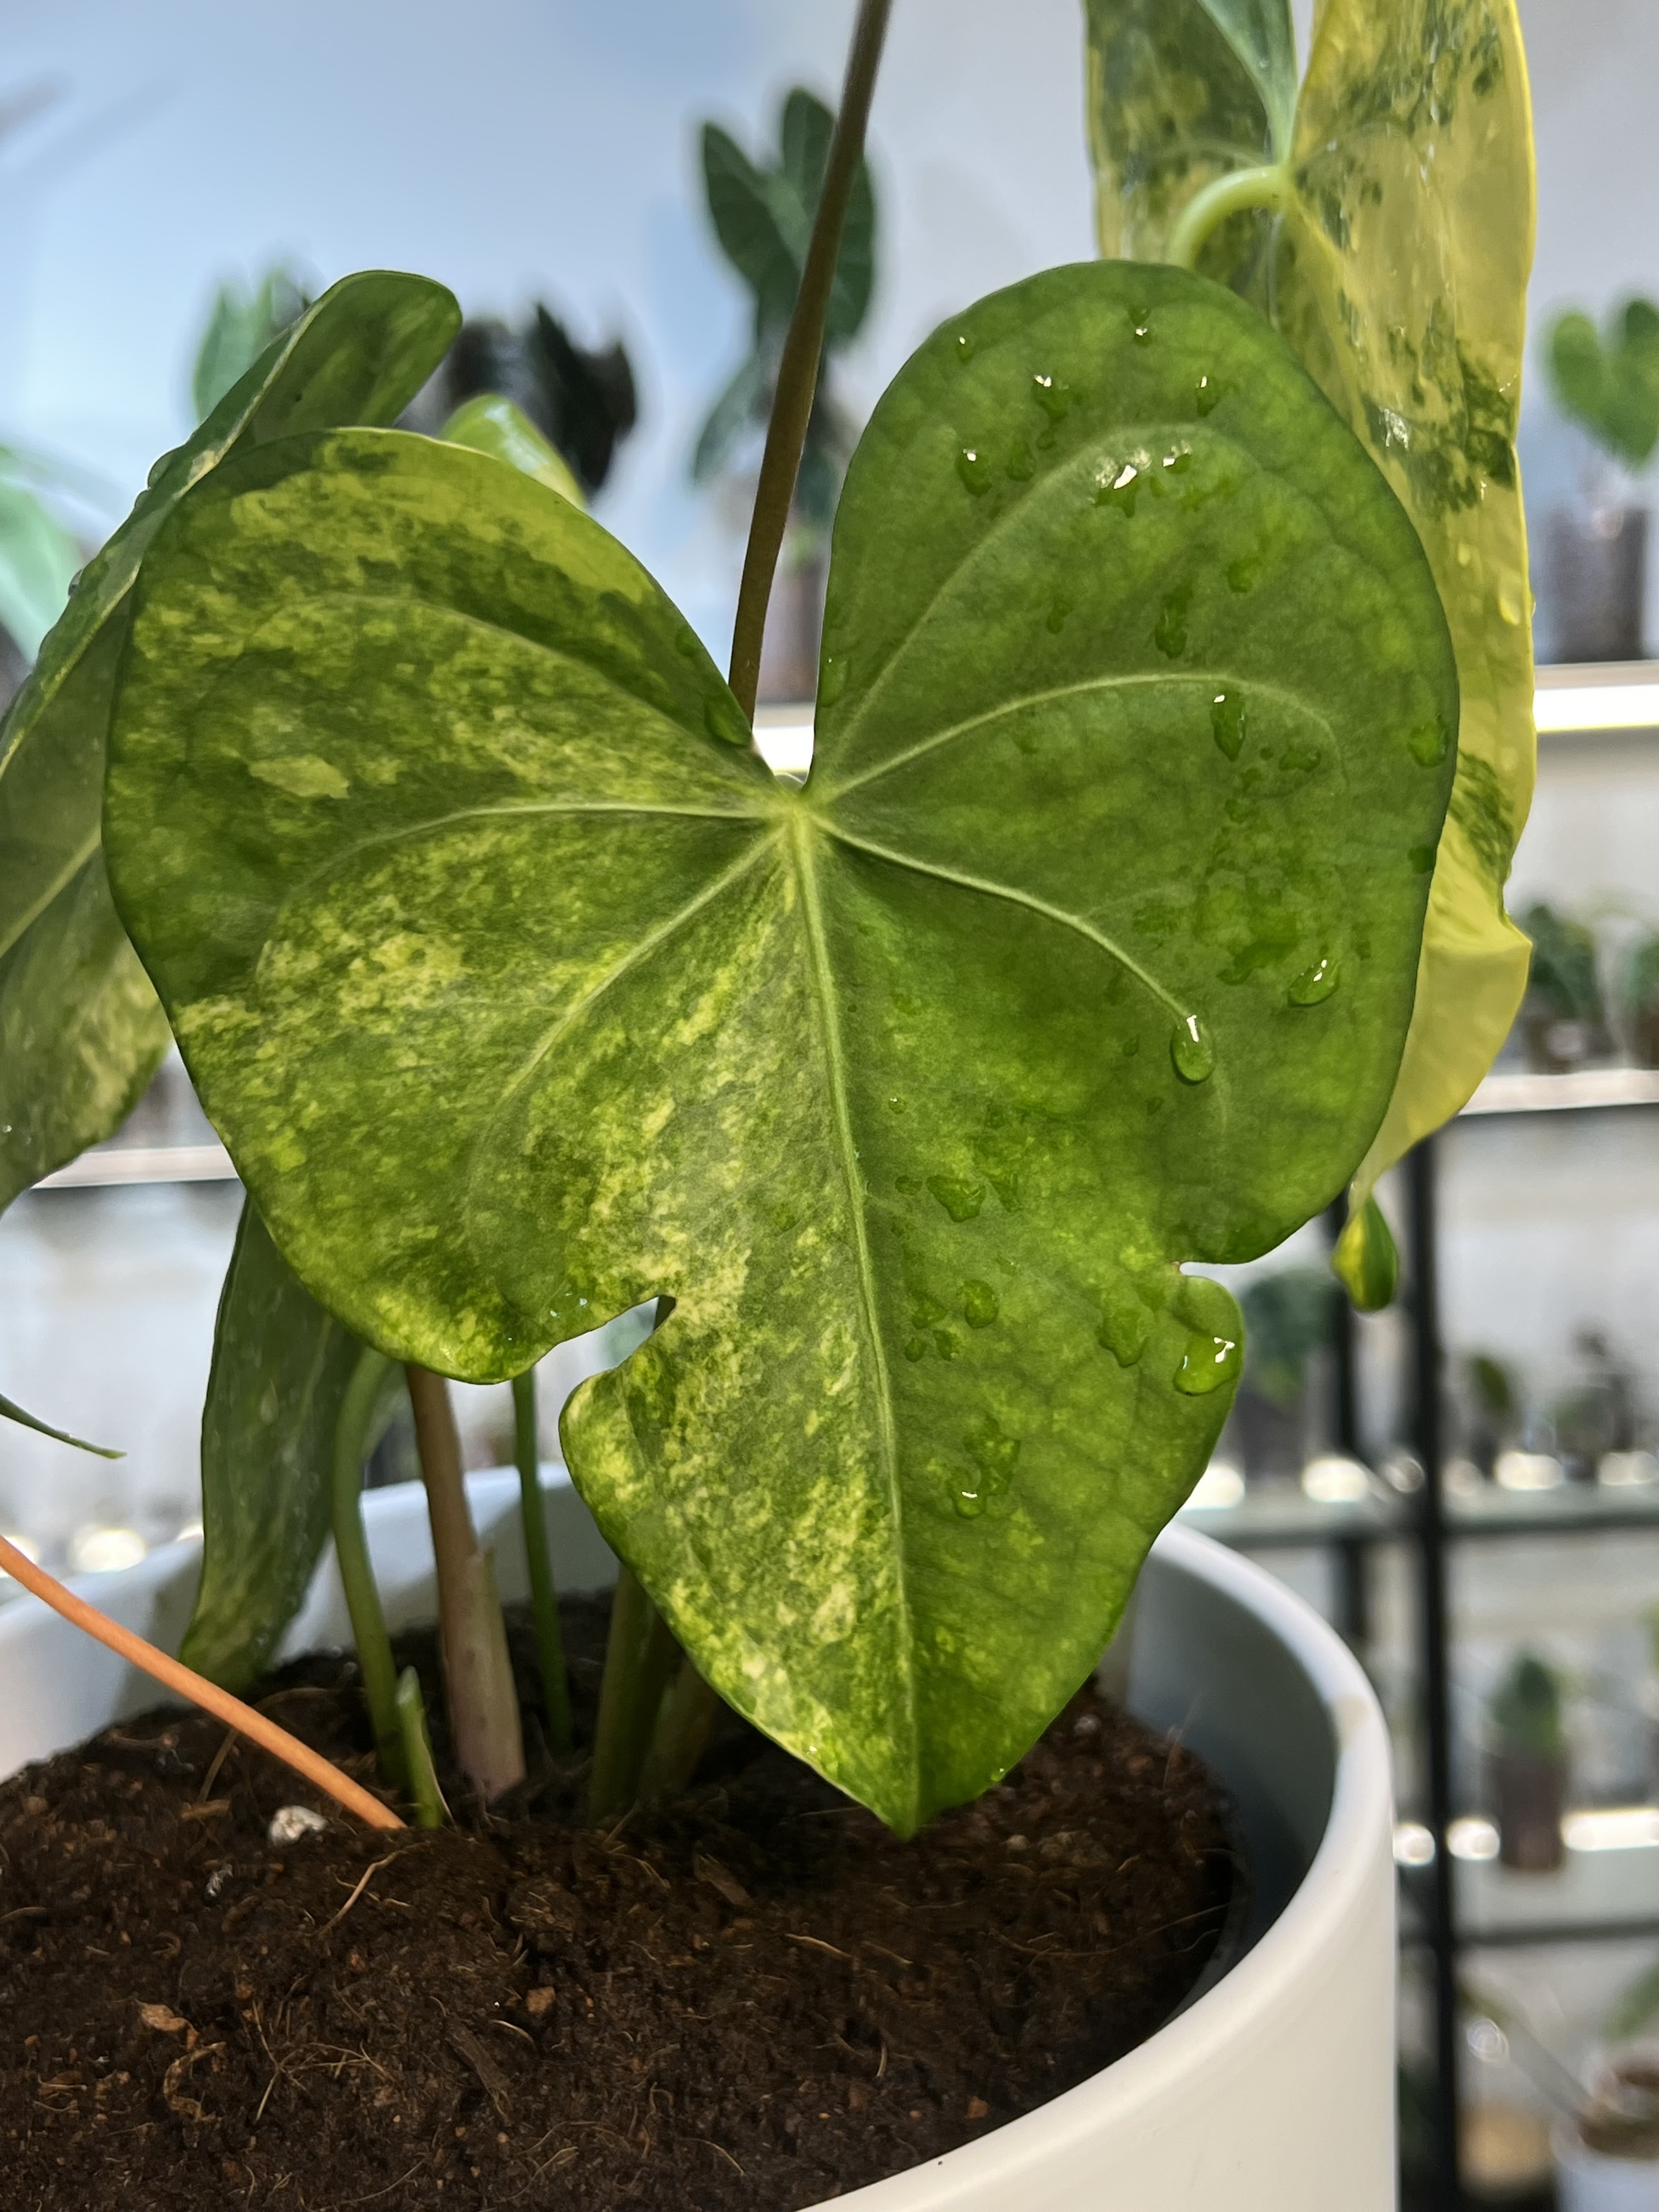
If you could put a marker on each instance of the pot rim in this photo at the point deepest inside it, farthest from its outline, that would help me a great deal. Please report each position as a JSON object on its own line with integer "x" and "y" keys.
{"x": 1332, "y": 1892}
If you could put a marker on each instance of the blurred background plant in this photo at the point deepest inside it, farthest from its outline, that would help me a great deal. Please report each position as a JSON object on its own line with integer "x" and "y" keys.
{"x": 242, "y": 324}
{"x": 762, "y": 215}
{"x": 1562, "y": 1016}
{"x": 1638, "y": 998}
{"x": 1606, "y": 383}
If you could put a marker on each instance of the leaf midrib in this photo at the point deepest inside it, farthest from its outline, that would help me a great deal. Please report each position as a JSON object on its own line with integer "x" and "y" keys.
{"x": 1126, "y": 681}
{"x": 1060, "y": 475}
{"x": 802, "y": 832}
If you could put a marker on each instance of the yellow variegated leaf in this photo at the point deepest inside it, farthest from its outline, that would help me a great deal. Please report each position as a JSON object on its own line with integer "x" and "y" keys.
{"x": 1402, "y": 283}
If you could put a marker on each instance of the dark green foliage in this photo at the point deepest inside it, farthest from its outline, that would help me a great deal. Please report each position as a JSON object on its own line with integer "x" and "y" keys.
{"x": 1608, "y": 382}
{"x": 1288, "y": 1316}
{"x": 1562, "y": 978}
{"x": 585, "y": 403}
{"x": 1526, "y": 1709}
{"x": 762, "y": 218}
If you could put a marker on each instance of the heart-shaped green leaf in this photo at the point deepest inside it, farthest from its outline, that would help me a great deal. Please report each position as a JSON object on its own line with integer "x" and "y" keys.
{"x": 280, "y": 1368}
{"x": 522, "y": 992}
{"x": 81, "y": 1032}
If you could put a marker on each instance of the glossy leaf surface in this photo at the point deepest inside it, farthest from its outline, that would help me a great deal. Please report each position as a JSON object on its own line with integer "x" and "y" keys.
{"x": 80, "y": 1030}
{"x": 280, "y": 1368}
{"x": 1397, "y": 268}
{"x": 522, "y": 992}
{"x": 491, "y": 423}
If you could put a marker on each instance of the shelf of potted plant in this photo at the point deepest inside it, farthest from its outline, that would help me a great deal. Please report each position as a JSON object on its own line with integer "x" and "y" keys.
{"x": 520, "y": 989}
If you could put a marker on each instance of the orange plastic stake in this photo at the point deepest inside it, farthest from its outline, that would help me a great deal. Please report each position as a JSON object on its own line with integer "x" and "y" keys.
{"x": 254, "y": 1726}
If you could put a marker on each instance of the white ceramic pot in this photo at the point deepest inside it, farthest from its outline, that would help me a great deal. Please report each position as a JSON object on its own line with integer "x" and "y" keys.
{"x": 1586, "y": 2181}
{"x": 1270, "y": 2091}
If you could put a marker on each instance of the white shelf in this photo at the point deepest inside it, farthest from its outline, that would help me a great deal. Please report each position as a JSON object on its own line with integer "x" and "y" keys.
{"x": 105, "y": 1167}
{"x": 1562, "y": 1094}
{"x": 1588, "y": 700}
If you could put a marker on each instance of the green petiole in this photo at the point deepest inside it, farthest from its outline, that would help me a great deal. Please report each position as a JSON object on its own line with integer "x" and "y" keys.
{"x": 362, "y": 1598}
{"x": 1270, "y": 186}
{"x": 544, "y": 1597}
{"x": 430, "y": 1810}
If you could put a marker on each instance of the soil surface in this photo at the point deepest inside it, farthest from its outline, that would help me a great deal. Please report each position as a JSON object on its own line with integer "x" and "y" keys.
{"x": 751, "y": 2000}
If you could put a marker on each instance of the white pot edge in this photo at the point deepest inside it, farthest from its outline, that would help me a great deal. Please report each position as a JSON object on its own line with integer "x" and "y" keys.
{"x": 1339, "y": 1889}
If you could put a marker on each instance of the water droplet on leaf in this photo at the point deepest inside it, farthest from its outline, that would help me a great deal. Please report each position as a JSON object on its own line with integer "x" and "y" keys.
{"x": 965, "y": 348}
{"x": 1428, "y": 743}
{"x": 1170, "y": 634}
{"x": 1119, "y": 490}
{"x": 687, "y": 643}
{"x": 1208, "y": 1363}
{"x": 974, "y": 469}
{"x": 1510, "y": 603}
{"x": 968, "y": 1501}
{"x": 961, "y": 1198}
{"x": 1021, "y": 464}
{"x": 1053, "y": 397}
{"x": 1140, "y": 325}
{"x": 1243, "y": 573}
{"x": 980, "y": 1304}
{"x": 1315, "y": 984}
{"x": 1192, "y": 1051}
{"x": 1206, "y": 396}
{"x": 916, "y": 1347}
{"x": 723, "y": 719}
{"x": 1227, "y": 722}
{"x": 1124, "y": 1325}
{"x": 832, "y": 680}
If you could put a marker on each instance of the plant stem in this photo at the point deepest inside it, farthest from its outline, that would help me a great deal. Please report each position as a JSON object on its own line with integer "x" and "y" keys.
{"x": 362, "y": 1597}
{"x": 688, "y": 1714}
{"x": 638, "y": 1656}
{"x": 430, "y": 1809}
{"x": 183, "y": 1682}
{"x": 483, "y": 1708}
{"x": 543, "y": 1598}
{"x": 1269, "y": 186}
{"x": 802, "y": 351}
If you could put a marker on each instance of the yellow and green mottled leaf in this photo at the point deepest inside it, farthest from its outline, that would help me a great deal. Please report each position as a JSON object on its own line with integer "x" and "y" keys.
{"x": 280, "y": 1368}
{"x": 1405, "y": 290}
{"x": 1182, "y": 92}
{"x": 1086, "y": 950}
{"x": 81, "y": 1031}
{"x": 1400, "y": 228}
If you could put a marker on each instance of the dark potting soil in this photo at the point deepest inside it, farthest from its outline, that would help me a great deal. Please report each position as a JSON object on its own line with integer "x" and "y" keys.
{"x": 748, "y": 2001}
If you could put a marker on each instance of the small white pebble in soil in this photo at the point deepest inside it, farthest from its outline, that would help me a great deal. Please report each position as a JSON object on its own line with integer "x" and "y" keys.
{"x": 292, "y": 1822}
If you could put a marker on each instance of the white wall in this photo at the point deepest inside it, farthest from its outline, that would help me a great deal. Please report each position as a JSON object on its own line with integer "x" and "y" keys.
{"x": 512, "y": 148}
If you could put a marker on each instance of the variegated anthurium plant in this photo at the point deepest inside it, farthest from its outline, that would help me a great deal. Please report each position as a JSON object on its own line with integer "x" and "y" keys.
{"x": 1380, "y": 213}
{"x": 523, "y": 993}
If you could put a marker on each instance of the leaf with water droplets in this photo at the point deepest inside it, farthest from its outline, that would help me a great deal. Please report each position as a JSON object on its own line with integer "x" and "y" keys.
{"x": 563, "y": 1001}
